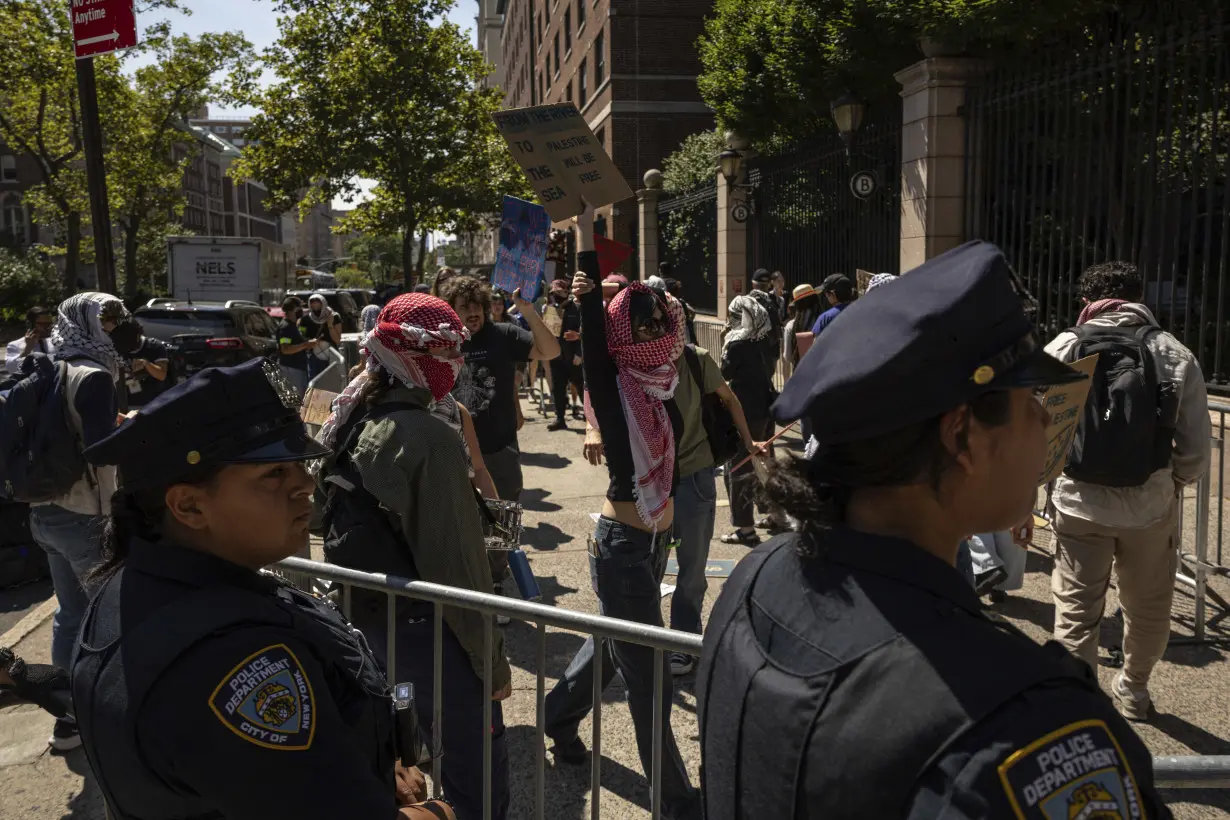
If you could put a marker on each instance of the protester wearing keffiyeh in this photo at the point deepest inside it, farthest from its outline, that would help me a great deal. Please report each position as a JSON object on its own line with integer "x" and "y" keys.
{"x": 746, "y": 320}
{"x": 78, "y": 332}
{"x": 409, "y": 330}
{"x": 647, "y": 377}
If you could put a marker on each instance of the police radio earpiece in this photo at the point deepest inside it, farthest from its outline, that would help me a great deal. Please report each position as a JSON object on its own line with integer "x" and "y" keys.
{"x": 409, "y": 743}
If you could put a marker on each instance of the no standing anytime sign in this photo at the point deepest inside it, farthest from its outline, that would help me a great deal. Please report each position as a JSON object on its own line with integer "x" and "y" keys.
{"x": 103, "y": 26}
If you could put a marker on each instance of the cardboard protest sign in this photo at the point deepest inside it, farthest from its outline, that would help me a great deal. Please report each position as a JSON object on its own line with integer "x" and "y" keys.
{"x": 611, "y": 254}
{"x": 317, "y": 405}
{"x": 562, "y": 158}
{"x": 522, "y": 256}
{"x": 1066, "y": 404}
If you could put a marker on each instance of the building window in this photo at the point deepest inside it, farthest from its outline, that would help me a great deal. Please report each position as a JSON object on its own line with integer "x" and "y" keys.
{"x": 13, "y": 219}
{"x": 599, "y": 59}
{"x": 8, "y": 168}
{"x": 557, "y": 53}
{"x": 583, "y": 82}
{"x": 546, "y": 76}
{"x": 580, "y": 14}
{"x": 568, "y": 92}
{"x": 601, "y": 135}
{"x": 568, "y": 31}
{"x": 541, "y": 30}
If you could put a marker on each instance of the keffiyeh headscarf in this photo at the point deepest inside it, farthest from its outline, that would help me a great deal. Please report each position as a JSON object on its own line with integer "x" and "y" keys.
{"x": 878, "y": 280}
{"x": 322, "y": 316}
{"x": 368, "y": 318}
{"x": 408, "y": 330}
{"x": 746, "y": 320}
{"x": 78, "y": 329}
{"x": 647, "y": 377}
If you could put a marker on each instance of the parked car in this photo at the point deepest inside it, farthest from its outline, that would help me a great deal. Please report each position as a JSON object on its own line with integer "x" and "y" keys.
{"x": 210, "y": 335}
{"x": 340, "y": 301}
{"x": 362, "y": 298}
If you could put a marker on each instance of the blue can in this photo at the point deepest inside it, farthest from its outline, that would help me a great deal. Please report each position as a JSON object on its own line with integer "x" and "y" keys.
{"x": 527, "y": 585}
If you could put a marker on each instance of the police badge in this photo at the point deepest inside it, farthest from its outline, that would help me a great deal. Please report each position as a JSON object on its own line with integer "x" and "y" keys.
{"x": 285, "y": 391}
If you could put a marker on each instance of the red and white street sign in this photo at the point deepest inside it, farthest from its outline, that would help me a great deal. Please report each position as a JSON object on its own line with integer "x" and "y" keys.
{"x": 103, "y": 26}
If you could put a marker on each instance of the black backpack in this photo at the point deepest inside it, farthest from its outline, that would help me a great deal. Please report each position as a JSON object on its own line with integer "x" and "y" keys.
{"x": 41, "y": 458}
{"x": 724, "y": 440}
{"x": 360, "y": 533}
{"x": 1127, "y": 431}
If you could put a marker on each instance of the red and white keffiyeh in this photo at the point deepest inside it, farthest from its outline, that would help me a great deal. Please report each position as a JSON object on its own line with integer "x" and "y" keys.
{"x": 408, "y": 331}
{"x": 647, "y": 377}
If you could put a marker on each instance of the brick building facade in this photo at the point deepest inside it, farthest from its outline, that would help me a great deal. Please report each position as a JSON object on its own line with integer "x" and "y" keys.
{"x": 629, "y": 65}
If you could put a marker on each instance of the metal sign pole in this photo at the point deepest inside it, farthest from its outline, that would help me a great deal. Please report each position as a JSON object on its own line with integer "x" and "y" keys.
{"x": 96, "y": 175}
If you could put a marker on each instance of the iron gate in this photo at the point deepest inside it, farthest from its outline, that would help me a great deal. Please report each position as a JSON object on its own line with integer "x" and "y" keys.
{"x": 688, "y": 227}
{"x": 1113, "y": 145}
{"x": 809, "y": 222}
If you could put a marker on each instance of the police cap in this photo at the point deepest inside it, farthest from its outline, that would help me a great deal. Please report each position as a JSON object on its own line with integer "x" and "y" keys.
{"x": 952, "y": 329}
{"x": 223, "y": 415}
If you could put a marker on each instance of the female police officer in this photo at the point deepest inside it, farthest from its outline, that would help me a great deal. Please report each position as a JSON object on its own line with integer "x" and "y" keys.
{"x": 204, "y": 688}
{"x": 849, "y": 670}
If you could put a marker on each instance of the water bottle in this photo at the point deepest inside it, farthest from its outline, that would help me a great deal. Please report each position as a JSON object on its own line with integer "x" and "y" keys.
{"x": 524, "y": 576}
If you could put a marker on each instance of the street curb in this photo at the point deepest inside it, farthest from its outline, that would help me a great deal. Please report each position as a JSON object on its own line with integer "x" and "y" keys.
{"x": 28, "y": 624}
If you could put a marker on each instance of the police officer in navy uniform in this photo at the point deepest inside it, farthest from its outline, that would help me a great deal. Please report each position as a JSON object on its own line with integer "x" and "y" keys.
{"x": 205, "y": 688}
{"x": 849, "y": 671}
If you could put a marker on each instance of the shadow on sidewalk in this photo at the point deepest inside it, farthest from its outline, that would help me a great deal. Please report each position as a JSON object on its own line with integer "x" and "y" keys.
{"x": 547, "y": 461}
{"x": 534, "y": 500}
{"x": 545, "y": 537}
{"x": 88, "y": 804}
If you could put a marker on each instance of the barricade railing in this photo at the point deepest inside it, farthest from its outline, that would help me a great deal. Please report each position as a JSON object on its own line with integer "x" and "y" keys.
{"x": 1184, "y": 772}
{"x": 302, "y": 572}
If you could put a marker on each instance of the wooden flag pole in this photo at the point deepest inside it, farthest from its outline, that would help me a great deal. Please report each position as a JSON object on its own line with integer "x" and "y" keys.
{"x": 784, "y": 431}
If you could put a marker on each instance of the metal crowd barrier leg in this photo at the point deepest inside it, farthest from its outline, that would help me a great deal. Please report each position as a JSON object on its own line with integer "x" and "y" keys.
{"x": 1201, "y": 569}
{"x": 655, "y": 777}
{"x": 540, "y": 770}
{"x": 487, "y": 689}
{"x": 390, "y": 645}
{"x": 346, "y": 590}
{"x": 437, "y": 702}
{"x": 595, "y": 763}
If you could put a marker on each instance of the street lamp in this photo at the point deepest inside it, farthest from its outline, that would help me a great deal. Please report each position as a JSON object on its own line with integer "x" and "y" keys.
{"x": 848, "y": 113}
{"x": 731, "y": 163}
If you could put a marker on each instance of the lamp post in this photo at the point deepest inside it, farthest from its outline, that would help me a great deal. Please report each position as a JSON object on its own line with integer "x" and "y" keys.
{"x": 848, "y": 113}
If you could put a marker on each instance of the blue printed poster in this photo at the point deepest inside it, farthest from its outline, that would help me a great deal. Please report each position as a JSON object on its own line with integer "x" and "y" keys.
{"x": 522, "y": 256}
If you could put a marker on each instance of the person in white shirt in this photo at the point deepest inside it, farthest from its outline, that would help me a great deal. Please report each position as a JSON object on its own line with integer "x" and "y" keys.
{"x": 39, "y": 321}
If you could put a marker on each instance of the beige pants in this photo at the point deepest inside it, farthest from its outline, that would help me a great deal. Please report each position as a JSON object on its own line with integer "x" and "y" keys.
{"x": 1144, "y": 560}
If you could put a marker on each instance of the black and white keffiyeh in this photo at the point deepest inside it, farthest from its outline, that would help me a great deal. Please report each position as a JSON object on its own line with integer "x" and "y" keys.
{"x": 78, "y": 331}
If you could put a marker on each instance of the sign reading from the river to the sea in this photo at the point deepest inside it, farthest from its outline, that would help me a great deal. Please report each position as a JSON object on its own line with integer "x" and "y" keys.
{"x": 562, "y": 158}
{"x": 1066, "y": 404}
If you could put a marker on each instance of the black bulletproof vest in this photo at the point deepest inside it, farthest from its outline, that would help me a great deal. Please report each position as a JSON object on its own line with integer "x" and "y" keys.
{"x": 871, "y": 708}
{"x": 114, "y": 669}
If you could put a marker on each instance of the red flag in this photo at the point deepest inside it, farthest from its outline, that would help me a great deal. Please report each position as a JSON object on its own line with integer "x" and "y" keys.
{"x": 611, "y": 254}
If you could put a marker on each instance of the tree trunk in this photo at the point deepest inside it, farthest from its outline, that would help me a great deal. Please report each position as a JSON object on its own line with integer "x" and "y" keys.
{"x": 407, "y": 257}
{"x": 131, "y": 281}
{"x": 422, "y": 255}
{"x": 72, "y": 256}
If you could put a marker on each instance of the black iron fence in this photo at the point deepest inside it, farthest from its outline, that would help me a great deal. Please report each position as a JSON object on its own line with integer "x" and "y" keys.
{"x": 820, "y": 208}
{"x": 1114, "y": 145}
{"x": 687, "y": 228}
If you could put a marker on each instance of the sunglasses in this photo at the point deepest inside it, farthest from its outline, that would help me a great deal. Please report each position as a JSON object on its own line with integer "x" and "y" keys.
{"x": 653, "y": 326}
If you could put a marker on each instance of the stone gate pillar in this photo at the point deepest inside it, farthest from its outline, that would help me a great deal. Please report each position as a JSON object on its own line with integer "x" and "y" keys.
{"x": 647, "y": 208}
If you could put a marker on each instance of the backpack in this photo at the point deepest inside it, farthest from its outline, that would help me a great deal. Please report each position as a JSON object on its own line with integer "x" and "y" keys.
{"x": 719, "y": 424}
{"x": 360, "y": 533}
{"x": 1127, "y": 431}
{"x": 41, "y": 458}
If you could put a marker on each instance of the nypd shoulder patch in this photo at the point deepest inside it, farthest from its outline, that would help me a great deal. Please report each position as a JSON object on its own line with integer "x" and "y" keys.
{"x": 1078, "y": 771}
{"x": 267, "y": 700}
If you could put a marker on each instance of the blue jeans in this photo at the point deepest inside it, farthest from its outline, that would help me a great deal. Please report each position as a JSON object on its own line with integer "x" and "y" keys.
{"x": 73, "y": 543}
{"x": 695, "y": 509}
{"x": 626, "y": 573}
{"x": 462, "y": 715}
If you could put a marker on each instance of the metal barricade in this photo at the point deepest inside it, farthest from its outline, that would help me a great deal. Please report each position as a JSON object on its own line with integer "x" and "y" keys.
{"x": 1187, "y": 772}
{"x": 334, "y": 377}
{"x": 301, "y": 572}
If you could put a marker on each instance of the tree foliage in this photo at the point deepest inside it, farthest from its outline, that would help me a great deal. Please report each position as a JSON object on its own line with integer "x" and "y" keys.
{"x": 26, "y": 280}
{"x": 376, "y": 91}
{"x": 773, "y": 67}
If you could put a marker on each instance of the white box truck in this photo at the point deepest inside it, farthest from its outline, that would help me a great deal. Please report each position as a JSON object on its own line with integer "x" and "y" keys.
{"x": 227, "y": 268}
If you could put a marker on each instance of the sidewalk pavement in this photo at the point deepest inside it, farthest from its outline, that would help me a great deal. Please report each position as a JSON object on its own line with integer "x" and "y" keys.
{"x": 1191, "y": 685}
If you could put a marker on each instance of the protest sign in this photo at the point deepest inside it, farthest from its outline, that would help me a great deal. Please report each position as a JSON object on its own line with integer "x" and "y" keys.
{"x": 563, "y": 159}
{"x": 1066, "y": 405}
{"x": 317, "y": 405}
{"x": 522, "y": 256}
{"x": 611, "y": 254}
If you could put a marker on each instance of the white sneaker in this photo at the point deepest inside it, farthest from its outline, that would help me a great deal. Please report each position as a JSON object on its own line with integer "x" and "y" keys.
{"x": 65, "y": 736}
{"x": 1132, "y": 705}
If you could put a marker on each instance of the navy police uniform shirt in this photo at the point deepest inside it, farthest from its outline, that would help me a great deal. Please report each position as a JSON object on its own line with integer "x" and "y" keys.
{"x": 869, "y": 682}
{"x": 274, "y": 707}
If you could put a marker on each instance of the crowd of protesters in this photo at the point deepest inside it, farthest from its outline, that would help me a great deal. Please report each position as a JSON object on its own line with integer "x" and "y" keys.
{"x": 426, "y": 433}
